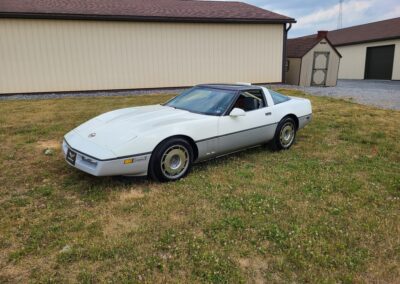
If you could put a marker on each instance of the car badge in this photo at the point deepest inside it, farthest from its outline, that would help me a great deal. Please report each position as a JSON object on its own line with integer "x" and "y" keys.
{"x": 91, "y": 135}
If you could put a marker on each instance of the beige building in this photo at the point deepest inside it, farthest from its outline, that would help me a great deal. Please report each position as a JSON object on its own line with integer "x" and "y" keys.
{"x": 369, "y": 51}
{"x": 372, "y": 60}
{"x": 53, "y": 46}
{"x": 312, "y": 61}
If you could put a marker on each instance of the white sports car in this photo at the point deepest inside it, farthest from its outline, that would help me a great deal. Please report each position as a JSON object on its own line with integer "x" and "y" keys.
{"x": 204, "y": 122}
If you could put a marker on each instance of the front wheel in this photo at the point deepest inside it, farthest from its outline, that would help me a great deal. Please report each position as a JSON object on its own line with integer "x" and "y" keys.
{"x": 285, "y": 134}
{"x": 171, "y": 160}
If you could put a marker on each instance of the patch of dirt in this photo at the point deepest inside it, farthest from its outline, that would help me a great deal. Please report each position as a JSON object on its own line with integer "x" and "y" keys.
{"x": 177, "y": 217}
{"x": 244, "y": 263}
{"x": 131, "y": 194}
{"x": 389, "y": 271}
{"x": 49, "y": 144}
{"x": 198, "y": 233}
{"x": 255, "y": 267}
{"x": 21, "y": 271}
{"x": 14, "y": 274}
{"x": 117, "y": 225}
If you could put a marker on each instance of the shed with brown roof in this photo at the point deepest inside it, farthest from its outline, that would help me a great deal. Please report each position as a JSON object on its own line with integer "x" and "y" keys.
{"x": 312, "y": 61}
{"x": 56, "y": 45}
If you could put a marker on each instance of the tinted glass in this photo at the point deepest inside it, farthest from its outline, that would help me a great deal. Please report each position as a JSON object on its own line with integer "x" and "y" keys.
{"x": 259, "y": 94}
{"x": 248, "y": 101}
{"x": 203, "y": 100}
{"x": 277, "y": 97}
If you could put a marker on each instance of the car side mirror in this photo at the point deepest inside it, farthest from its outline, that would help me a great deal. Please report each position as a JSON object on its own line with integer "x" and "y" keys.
{"x": 237, "y": 112}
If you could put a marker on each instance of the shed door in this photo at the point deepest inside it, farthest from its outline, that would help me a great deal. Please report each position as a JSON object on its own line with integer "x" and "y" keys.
{"x": 320, "y": 68}
{"x": 379, "y": 62}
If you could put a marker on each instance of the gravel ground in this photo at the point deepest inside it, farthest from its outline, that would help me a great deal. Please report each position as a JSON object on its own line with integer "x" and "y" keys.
{"x": 383, "y": 94}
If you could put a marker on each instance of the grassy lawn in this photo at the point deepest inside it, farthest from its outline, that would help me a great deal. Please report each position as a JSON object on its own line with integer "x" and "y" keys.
{"x": 328, "y": 210}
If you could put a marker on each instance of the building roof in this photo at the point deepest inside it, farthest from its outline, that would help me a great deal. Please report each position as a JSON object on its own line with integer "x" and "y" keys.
{"x": 298, "y": 47}
{"x": 141, "y": 10}
{"x": 376, "y": 31}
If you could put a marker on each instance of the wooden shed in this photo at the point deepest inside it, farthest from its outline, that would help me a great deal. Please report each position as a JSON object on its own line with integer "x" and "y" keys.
{"x": 312, "y": 61}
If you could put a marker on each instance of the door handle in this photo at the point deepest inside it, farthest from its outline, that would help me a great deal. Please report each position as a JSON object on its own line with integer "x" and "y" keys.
{"x": 268, "y": 113}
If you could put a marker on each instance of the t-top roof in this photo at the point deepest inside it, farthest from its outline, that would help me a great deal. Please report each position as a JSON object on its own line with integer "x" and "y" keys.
{"x": 141, "y": 10}
{"x": 376, "y": 31}
{"x": 231, "y": 87}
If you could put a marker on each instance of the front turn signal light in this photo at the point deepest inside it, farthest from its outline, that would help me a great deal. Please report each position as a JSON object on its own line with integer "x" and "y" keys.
{"x": 128, "y": 161}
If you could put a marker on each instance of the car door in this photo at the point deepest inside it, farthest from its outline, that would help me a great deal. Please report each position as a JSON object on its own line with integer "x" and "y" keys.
{"x": 253, "y": 128}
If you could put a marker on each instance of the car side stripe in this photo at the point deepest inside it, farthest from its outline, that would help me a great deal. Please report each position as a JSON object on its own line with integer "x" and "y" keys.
{"x": 201, "y": 140}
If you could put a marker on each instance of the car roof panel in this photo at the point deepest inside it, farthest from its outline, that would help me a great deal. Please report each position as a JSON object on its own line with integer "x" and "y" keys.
{"x": 232, "y": 87}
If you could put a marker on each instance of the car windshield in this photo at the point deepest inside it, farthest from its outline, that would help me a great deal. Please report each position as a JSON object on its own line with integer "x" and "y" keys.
{"x": 203, "y": 100}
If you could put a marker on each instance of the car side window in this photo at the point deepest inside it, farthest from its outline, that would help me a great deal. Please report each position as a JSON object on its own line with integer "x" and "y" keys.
{"x": 250, "y": 100}
{"x": 277, "y": 97}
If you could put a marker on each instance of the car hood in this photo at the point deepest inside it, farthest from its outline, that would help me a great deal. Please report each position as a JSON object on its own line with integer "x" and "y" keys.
{"x": 115, "y": 128}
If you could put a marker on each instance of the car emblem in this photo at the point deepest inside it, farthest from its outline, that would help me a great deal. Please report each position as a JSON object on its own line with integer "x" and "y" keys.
{"x": 91, "y": 135}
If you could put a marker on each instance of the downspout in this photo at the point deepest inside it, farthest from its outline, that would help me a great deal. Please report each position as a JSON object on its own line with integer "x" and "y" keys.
{"x": 284, "y": 55}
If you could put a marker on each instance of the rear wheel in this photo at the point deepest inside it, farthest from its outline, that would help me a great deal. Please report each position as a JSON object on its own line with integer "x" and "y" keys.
{"x": 171, "y": 160}
{"x": 285, "y": 134}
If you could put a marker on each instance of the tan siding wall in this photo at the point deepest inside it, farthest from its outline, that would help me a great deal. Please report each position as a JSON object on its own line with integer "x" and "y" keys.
{"x": 352, "y": 65}
{"x": 307, "y": 65}
{"x": 57, "y": 55}
{"x": 293, "y": 75}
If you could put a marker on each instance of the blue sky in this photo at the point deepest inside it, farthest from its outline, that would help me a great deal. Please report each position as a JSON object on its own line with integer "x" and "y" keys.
{"x": 313, "y": 15}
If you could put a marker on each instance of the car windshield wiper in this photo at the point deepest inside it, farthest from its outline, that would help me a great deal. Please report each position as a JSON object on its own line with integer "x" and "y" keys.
{"x": 193, "y": 111}
{"x": 174, "y": 107}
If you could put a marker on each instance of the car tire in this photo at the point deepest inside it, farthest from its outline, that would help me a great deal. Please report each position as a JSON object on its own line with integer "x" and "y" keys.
{"x": 285, "y": 134}
{"x": 171, "y": 160}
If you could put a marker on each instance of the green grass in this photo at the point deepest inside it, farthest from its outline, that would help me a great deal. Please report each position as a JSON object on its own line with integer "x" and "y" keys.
{"x": 325, "y": 211}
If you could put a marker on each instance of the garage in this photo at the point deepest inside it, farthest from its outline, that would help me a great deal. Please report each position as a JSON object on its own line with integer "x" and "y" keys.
{"x": 379, "y": 62}
{"x": 59, "y": 46}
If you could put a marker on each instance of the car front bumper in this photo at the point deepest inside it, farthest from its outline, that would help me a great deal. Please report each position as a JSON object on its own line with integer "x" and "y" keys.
{"x": 109, "y": 167}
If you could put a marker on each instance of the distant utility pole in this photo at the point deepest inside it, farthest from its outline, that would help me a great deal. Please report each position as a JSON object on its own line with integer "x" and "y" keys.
{"x": 340, "y": 18}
